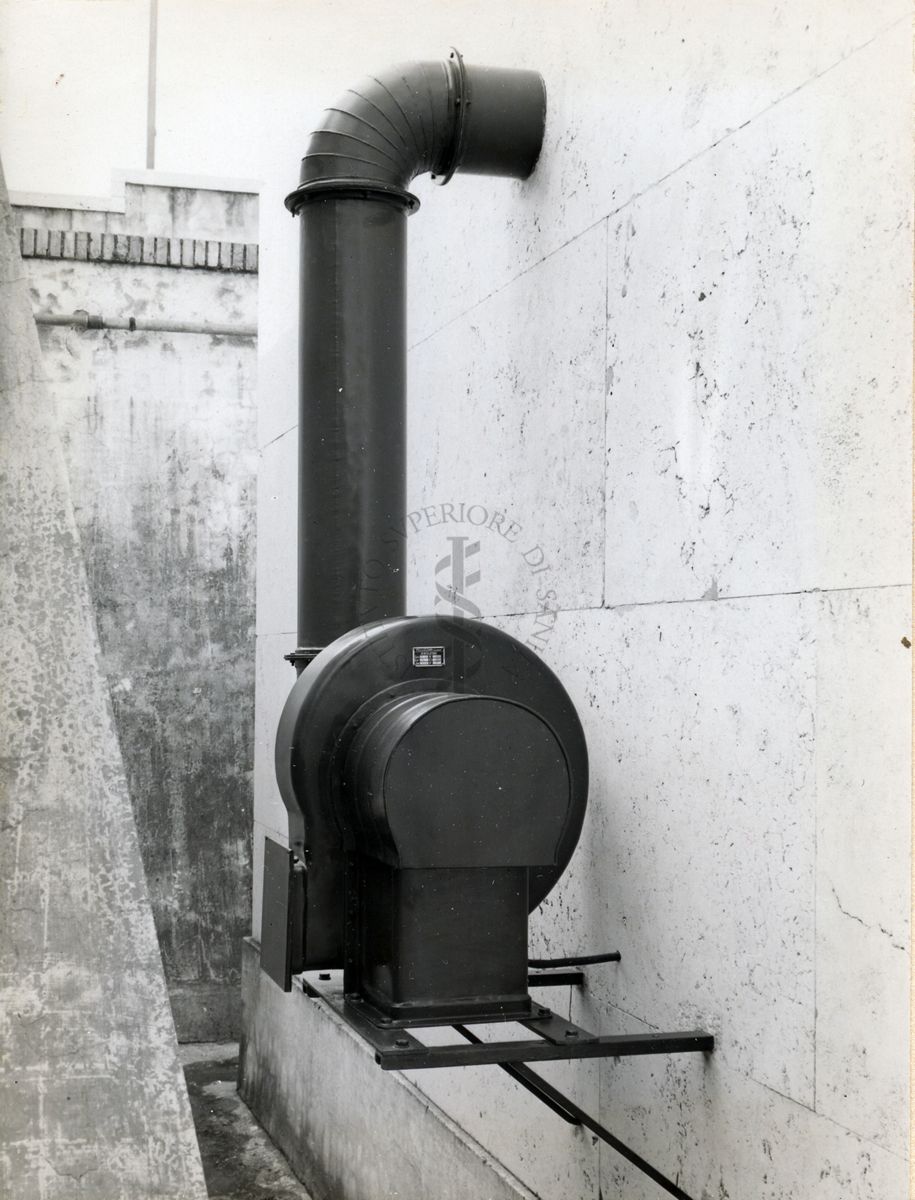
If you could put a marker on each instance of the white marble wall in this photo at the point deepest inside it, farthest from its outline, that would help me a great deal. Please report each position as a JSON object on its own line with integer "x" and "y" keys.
{"x": 679, "y": 358}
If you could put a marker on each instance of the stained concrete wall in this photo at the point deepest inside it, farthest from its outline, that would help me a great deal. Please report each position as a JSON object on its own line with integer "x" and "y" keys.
{"x": 92, "y": 1097}
{"x": 159, "y": 434}
{"x": 679, "y": 358}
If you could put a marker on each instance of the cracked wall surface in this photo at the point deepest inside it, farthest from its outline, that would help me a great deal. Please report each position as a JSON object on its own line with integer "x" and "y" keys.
{"x": 92, "y": 1097}
{"x": 678, "y": 360}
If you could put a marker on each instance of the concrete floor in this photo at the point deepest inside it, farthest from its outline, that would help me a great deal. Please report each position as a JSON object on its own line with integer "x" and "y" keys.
{"x": 239, "y": 1159}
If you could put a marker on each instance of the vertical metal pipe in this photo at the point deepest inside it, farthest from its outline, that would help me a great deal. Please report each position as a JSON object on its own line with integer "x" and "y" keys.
{"x": 440, "y": 117}
{"x": 352, "y": 431}
{"x": 151, "y": 84}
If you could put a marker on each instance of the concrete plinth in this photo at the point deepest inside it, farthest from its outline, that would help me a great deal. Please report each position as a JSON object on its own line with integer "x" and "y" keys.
{"x": 350, "y": 1130}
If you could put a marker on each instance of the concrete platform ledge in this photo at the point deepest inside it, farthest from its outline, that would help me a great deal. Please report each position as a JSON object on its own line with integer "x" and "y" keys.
{"x": 350, "y": 1130}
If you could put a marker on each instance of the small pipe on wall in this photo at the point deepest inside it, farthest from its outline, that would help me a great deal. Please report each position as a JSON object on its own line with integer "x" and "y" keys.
{"x": 84, "y": 320}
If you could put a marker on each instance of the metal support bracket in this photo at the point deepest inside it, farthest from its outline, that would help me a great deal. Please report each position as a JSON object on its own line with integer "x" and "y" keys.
{"x": 556, "y": 979}
{"x": 398, "y": 1049}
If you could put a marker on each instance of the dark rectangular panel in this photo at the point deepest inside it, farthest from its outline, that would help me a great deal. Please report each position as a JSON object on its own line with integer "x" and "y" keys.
{"x": 282, "y": 890}
{"x": 443, "y": 942}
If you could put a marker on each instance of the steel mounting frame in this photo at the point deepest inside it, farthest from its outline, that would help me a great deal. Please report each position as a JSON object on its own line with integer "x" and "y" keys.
{"x": 397, "y": 1049}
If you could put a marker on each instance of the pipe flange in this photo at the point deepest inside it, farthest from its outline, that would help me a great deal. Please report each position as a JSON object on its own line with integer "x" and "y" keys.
{"x": 302, "y": 656}
{"x": 459, "y": 99}
{"x": 360, "y": 189}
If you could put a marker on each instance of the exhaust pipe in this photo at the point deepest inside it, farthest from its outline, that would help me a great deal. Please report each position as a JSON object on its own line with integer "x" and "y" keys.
{"x": 438, "y": 117}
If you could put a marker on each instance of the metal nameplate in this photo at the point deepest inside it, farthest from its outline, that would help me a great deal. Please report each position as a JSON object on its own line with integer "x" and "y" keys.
{"x": 428, "y": 656}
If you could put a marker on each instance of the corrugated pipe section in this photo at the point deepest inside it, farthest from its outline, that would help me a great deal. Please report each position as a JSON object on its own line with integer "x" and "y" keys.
{"x": 429, "y": 116}
{"x": 440, "y": 117}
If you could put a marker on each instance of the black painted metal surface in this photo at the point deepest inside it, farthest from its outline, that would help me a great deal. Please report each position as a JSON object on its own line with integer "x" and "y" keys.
{"x": 354, "y": 679}
{"x": 443, "y": 943}
{"x": 440, "y": 117}
{"x": 556, "y": 979}
{"x": 352, "y": 422}
{"x": 413, "y": 1058}
{"x": 451, "y": 780}
{"x": 577, "y": 960}
{"x": 282, "y": 912}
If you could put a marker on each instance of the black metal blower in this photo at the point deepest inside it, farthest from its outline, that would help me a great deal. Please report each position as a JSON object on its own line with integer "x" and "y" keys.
{"x": 434, "y": 769}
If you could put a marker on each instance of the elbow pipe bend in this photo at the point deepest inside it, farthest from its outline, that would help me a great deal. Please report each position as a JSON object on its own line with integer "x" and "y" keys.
{"x": 441, "y": 117}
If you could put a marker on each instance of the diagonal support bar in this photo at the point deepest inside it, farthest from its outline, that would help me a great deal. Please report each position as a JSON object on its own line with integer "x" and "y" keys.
{"x": 570, "y": 1112}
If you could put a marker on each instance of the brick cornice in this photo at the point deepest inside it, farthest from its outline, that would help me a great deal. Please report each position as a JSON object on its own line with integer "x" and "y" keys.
{"x": 139, "y": 250}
